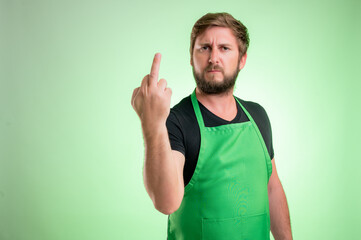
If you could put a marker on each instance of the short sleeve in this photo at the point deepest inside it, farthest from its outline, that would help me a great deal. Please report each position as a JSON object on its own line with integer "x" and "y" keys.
{"x": 265, "y": 124}
{"x": 175, "y": 134}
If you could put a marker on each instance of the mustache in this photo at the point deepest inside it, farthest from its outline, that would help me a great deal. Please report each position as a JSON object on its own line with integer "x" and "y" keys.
{"x": 213, "y": 67}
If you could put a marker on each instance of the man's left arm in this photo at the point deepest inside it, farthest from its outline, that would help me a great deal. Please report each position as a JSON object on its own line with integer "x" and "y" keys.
{"x": 279, "y": 213}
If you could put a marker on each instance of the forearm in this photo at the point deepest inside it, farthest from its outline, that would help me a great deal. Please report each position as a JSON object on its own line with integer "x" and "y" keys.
{"x": 279, "y": 213}
{"x": 160, "y": 170}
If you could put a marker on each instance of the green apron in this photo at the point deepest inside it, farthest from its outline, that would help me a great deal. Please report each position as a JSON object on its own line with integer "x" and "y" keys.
{"x": 227, "y": 196}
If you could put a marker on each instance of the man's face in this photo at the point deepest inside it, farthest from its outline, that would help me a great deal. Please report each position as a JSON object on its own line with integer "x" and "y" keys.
{"x": 215, "y": 60}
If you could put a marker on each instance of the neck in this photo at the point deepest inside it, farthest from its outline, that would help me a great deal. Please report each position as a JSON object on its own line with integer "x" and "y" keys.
{"x": 223, "y": 105}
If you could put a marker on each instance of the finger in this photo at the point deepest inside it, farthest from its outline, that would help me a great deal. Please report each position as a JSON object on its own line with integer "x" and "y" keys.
{"x": 153, "y": 76}
{"x": 144, "y": 83}
{"x": 168, "y": 91}
{"x": 162, "y": 84}
{"x": 135, "y": 93}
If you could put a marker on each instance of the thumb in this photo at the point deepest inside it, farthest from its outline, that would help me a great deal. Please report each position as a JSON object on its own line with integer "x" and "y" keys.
{"x": 134, "y": 95}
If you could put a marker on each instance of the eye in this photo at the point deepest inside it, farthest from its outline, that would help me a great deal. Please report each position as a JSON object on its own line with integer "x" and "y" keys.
{"x": 205, "y": 48}
{"x": 225, "y": 48}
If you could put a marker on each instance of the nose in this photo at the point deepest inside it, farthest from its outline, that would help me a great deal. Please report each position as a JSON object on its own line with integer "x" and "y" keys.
{"x": 214, "y": 56}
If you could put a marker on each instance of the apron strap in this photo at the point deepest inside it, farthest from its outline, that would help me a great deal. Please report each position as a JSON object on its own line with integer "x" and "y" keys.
{"x": 197, "y": 110}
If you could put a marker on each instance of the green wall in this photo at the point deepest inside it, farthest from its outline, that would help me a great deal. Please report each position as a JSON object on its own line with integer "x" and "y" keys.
{"x": 71, "y": 144}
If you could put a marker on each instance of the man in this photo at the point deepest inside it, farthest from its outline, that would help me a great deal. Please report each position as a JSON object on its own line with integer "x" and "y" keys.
{"x": 208, "y": 160}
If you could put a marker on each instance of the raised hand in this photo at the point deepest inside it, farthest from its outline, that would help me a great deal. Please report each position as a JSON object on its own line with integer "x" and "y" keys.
{"x": 151, "y": 100}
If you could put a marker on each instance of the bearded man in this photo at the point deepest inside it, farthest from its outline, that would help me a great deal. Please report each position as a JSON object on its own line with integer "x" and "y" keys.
{"x": 209, "y": 161}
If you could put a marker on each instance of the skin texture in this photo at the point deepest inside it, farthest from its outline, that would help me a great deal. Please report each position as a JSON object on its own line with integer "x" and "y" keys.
{"x": 279, "y": 214}
{"x": 163, "y": 167}
{"x": 215, "y": 49}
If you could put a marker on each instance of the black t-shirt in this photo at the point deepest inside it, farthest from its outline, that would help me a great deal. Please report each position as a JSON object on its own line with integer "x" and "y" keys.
{"x": 184, "y": 132}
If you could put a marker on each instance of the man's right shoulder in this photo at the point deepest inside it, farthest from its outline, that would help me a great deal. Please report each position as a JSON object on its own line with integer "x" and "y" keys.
{"x": 183, "y": 110}
{"x": 180, "y": 123}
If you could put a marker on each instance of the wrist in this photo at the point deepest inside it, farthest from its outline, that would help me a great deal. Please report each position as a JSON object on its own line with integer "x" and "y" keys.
{"x": 153, "y": 129}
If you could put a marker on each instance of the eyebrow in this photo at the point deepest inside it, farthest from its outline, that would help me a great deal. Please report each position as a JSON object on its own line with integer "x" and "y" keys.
{"x": 221, "y": 44}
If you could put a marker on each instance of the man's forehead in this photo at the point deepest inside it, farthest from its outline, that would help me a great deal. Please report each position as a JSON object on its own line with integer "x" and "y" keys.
{"x": 220, "y": 34}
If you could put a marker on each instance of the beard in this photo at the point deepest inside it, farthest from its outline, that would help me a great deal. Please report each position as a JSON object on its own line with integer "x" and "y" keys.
{"x": 212, "y": 87}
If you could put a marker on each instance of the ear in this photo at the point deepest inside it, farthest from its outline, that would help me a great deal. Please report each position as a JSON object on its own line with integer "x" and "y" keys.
{"x": 243, "y": 61}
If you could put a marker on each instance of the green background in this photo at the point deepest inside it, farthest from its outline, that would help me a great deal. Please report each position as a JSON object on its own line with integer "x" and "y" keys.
{"x": 71, "y": 144}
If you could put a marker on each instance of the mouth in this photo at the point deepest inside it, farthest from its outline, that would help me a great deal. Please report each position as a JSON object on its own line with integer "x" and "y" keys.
{"x": 214, "y": 69}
